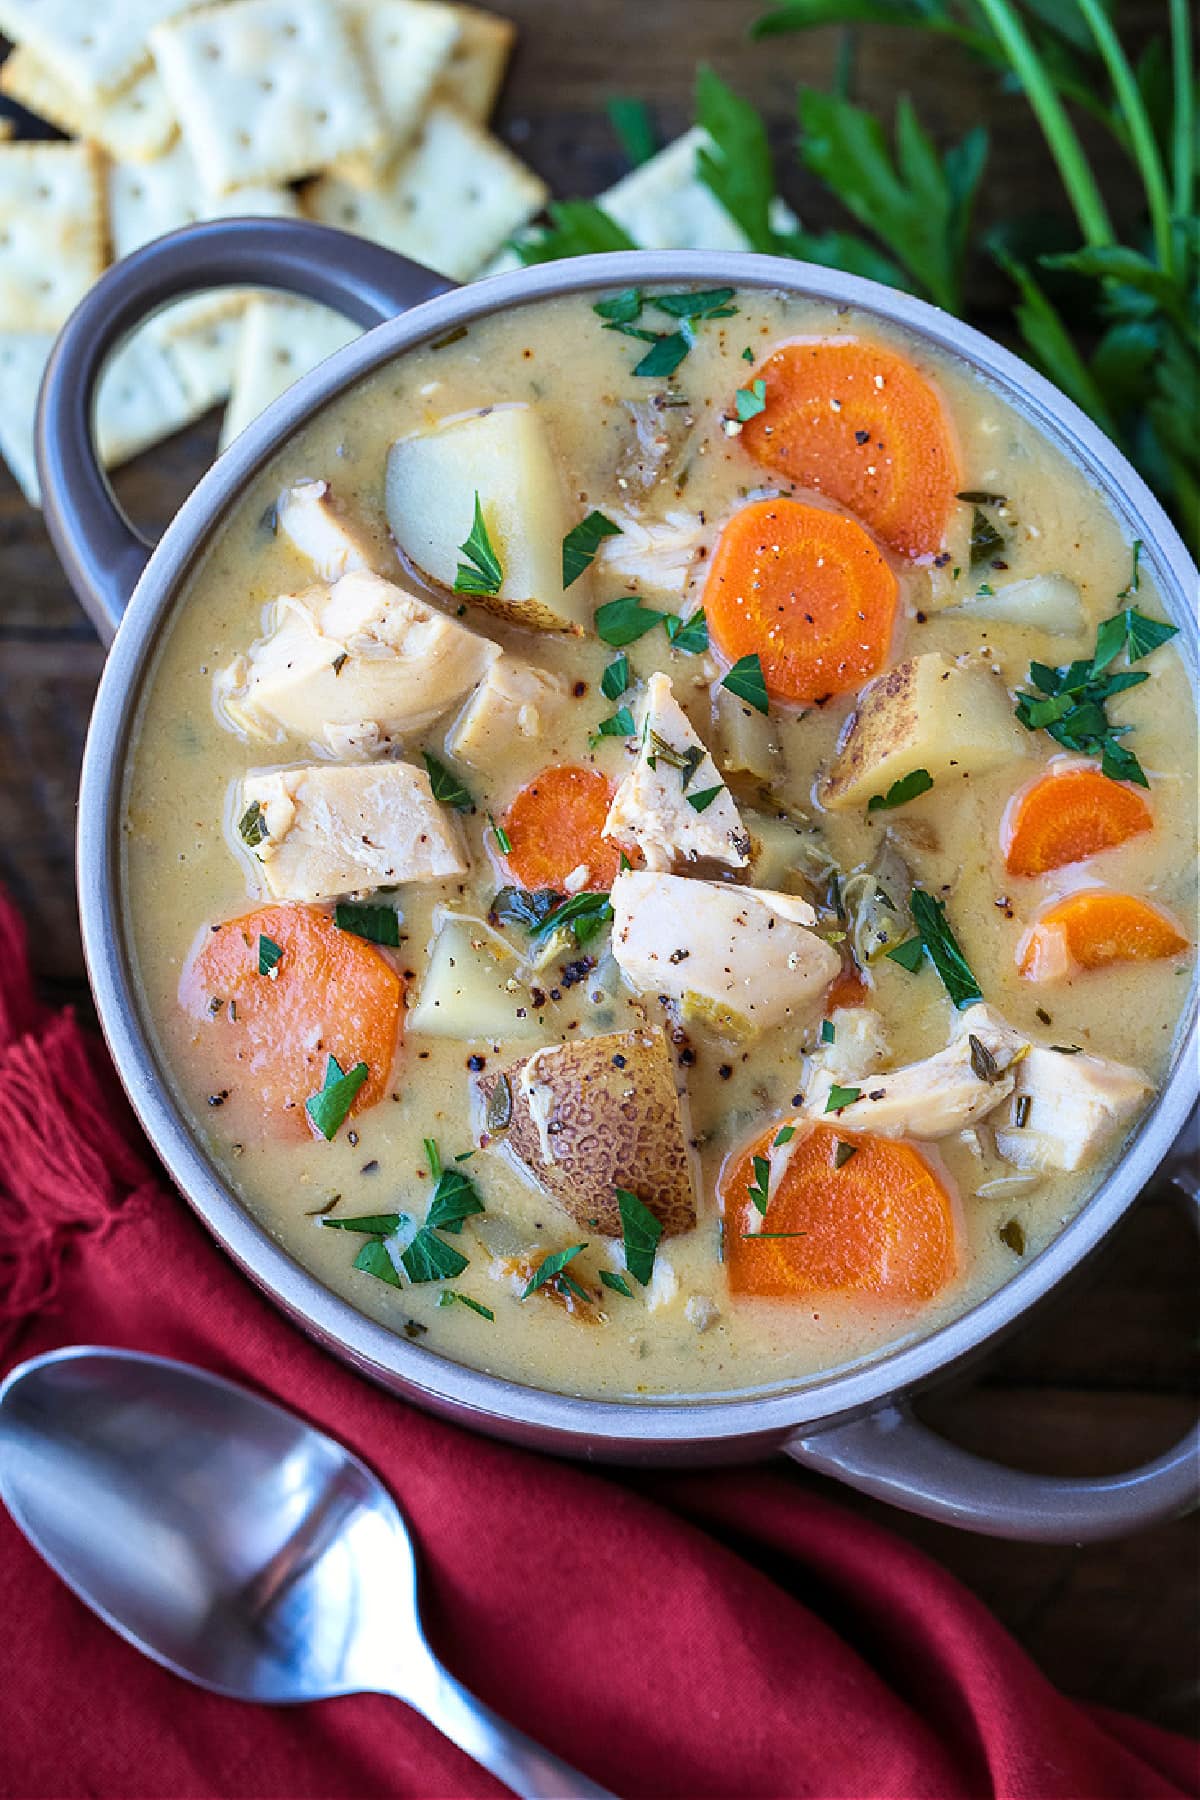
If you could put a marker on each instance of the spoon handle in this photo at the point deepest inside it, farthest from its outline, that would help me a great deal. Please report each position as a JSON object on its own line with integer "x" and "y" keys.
{"x": 525, "y": 1767}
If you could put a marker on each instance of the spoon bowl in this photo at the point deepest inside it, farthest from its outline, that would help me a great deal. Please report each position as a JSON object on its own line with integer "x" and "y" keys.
{"x": 233, "y": 1543}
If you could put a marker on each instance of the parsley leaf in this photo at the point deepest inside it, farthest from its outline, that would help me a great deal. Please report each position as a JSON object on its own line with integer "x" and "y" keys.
{"x": 910, "y": 954}
{"x": 374, "y": 1224}
{"x": 446, "y": 785}
{"x": 581, "y": 544}
{"x": 621, "y": 622}
{"x": 841, "y": 1096}
{"x": 708, "y": 303}
{"x": 616, "y": 1282}
{"x": 615, "y": 678}
{"x": 918, "y": 781}
{"x": 1132, "y": 631}
{"x": 503, "y": 841}
{"x": 828, "y": 1031}
{"x": 623, "y": 308}
{"x": 759, "y": 1188}
{"x": 329, "y": 1108}
{"x": 585, "y": 913}
{"x": 377, "y": 924}
{"x": 577, "y": 228}
{"x": 784, "y": 1135}
{"x": 620, "y": 724}
{"x": 481, "y": 572}
{"x": 454, "y": 1199}
{"x": 551, "y": 1267}
{"x": 689, "y": 635}
{"x": 431, "y": 1258}
{"x": 252, "y": 826}
{"x": 451, "y": 1296}
{"x": 749, "y": 402}
{"x": 746, "y": 680}
{"x": 843, "y": 1153}
{"x": 664, "y": 355}
{"x": 631, "y": 121}
{"x": 373, "y": 1259}
{"x": 943, "y": 950}
{"x": 641, "y": 1231}
{"x": 703, "y": 800}
{"x": 269, "y": 955}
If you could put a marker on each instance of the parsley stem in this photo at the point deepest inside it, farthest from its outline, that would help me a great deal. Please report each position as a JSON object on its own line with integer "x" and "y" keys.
{"x": 1057, "y": 128}
{"x": 1141, "y": 133}
{"x": 1183, "y": 161}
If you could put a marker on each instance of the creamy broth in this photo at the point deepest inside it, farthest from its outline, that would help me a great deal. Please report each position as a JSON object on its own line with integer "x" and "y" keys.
{"x": 185, "y": 870}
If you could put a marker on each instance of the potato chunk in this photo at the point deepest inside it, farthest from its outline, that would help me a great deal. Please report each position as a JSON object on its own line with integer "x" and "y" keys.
{"x": 351, "y": 666}
{"x": 927, "y": 713}
{"x": 1066, "y": 1109}
{"x": 472, "y": 987}
{"x": 311, "y": 521}
{"x": 504, "y": 455}
{"x": 340, "y": 829}
{"x": 514, "y": 700}
{"x": 740, "y": 959}
{"x": 593, "y": 1115}
{"x": 653, "y": 808}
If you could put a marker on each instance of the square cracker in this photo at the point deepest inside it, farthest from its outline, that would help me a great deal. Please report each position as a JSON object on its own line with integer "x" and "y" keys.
{"x": 134, "y": 124}
{"x": 266, "y": 90}
{"x": 205, "y": 355}
{"x": 281, "y": 340}
{"x": 52, "y": 236}
{"x": 450, "y": 202}
{"x": 474, "y": 74}
{"x": 23, "y": 357}
{"x": 405, "y": 45}
{"x": 95, "y": 46}
{"x": 664, "y": 205}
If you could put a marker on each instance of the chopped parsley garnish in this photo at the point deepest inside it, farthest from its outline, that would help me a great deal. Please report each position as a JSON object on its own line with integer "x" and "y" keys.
{"x": 1131, "y": 631}
{"x": 621, "y": 622}
{"x": 433, "y": 1156}
{"x": 986, "y": 541}
{"x": 269, "y": 956}
{"x": 252, "y": 826}
{"x": 748, "y": 354}
{"x": 910, "y": 954}
{"x": 431, "y": 1258}
{"x": 630, "y": 119}
{"x": 664, "y": 355}
{"x": 689, "y": 635}
{"x": 623, "y": 308}
{"x": 373, "y": 1224}
{"x": 709, "y": 303}
{"x": 687, "y": 761}
{"x": 520, "y": 906}
{"x": 454, "y": 1199}
{"x": 841, "y": 1096}
{"x": 943, "y": 949}
{"x": 667, "y": 348}
{"x": 329, "y": 1108}
{"x": 377, "y": 924}
{"x": 747, "y": 682}
{"x": 585, "y": 913}
{"x": 499, "y": 1109}
{"x": 918, "y": 781}
{"x": 373, "y": 1259}
{"x": 503, "y": 841}
{"x": 451, "y": 1297}
{"x": 1135, "y": 573}
{"x": 641, "y": 1232}
{"x": 750, "y": 401}
{"x": 843, "y": 1153}
{"x": 828, "y": 1031}
{"x": 618, "y": 724}
{"x": 616, "y": 1282}
{"x": 551, "y": 1267}
{"x": 759, "y": 1188}
{"x": 581, "y": 544}
{"x": 481, "y": 572}
{"x": 703, "y": 800}
{"x": 446, "y": 785}
{"x": 615, "y": 678}
{"x": 784, "y": 1135}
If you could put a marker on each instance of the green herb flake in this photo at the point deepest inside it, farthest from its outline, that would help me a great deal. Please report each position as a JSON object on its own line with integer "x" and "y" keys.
{"x": 623, "y": 308}
{"x": 252, "y": 826}
{"x": 759, "y": 1189}
{"x": 447, "y": 788}
{"x": 748, "y": 354}
{"x": 451, "y": 1297}
{"x": 664, "y": 356}
{"x": 630, "y": 119}
{"x": 269, "y": 956}
{"x": 618, "y": 724}
{"x": 432, "y": 1156}
{"x": 454, "y": 1199}
{"x": 431, "y": 1258}
{"x": 621, "y": 622}
{"x": 615, "y": 678}
{"x": 943, "y": 949}
{"x": 1012, "y": 1233}
{"x": 703, "y": 800}
{"x": 841, "y": 1096}
{"x": 377, "y": 924}
{"x": 910, "y": 954}
{"x": 328, "y": 1109}
{"x": 585, "y": 913}
{"x": 689, "y": 635}
{"x": 379, "y": 1225}
{"x": 551, "y": 1267}
{"x": 581, "y": 544}
{"x": 708, "y": 303}
{"x": 750, "y": 401}
{"x": 784, "y": 1135}
{"x": 1132, "y": 631}
{"x": 918, "y": 781}
{"x": 641, "y": 1232}
{"x": 746, "y": 681}
{"x": 843, "y": 1153}
{"x": 373, "y": 1259}
{"x": 503, "y": 841}
{"x": 986, "y": 541}
{"x": 1135, "y": 573}
{"x": 828, "y": 1031}
{"x": 616, "y": 1282}
{"x": 481, "y": 572}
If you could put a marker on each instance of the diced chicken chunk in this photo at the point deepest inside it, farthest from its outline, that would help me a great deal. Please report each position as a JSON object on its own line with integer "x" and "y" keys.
{"x": 1066, "y": 1109}
{"x": 652, "y": 556}
{"x": 514, "y": 700}
{"x": 351, "y": 666}
{"x": 338, "y": 829}
{"x": 653, "y": 808}
{"x": 937, "y": 1096}
{"x": 859, "y": 1046}
{"x": 504, "y": 456}
{"x": 741, "y": 959}
{"x": 931, "y": 713}
{"x": 310, "y": 519}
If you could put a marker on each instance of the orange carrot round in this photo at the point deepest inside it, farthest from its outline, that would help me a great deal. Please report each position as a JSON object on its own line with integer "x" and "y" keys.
{"x": 330, "y": 994}
{"x": 881, "y": 1224}
{"x": 808, "y": 592}
{"x": 1094, "y": 929}
{"x": 1067, "y": 816}
{"x": 554, "y": 826}
{"x": 859, "y": 424}
{"x": 846, "y": 989}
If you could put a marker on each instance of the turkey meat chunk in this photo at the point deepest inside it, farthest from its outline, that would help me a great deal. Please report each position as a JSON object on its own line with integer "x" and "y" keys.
{"x": 351, "y": 666}
{"x": 514, "y": 701}
{"x": 1066, "y": 1109}
{"x": 311, "y": 520}
{"x": 652, "y": 806}
{"x": 337, "y": 829}
{"x": 740, "y": 959}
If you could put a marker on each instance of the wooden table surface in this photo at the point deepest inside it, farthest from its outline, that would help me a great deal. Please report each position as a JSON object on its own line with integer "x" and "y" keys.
{"x": 1104, "y": 1378}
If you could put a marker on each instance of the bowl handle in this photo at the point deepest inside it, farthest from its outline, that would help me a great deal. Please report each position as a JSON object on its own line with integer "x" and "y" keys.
{"x": 102, "y": 554}
{"x": 891, "y": 1455}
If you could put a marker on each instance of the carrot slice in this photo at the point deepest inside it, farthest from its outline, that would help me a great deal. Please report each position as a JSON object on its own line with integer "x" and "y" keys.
{"x": 808, "y": 591}
{"x": 331, "y": 994}
{"x": 554, "y": 826}
{"x": 846, "y": 989}
{"x": 1094, "y": 929}
{"x": 882, "y": 1224}
{"x": 1067, "y": 816}
{"x": 862, "y": 426}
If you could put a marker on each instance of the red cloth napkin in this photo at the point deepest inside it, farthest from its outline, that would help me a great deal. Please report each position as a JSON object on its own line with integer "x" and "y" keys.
{"x": 722, "y": 1633}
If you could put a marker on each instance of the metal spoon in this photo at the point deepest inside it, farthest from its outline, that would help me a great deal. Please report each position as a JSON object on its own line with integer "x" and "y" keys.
{"x": 235, "y": 1545}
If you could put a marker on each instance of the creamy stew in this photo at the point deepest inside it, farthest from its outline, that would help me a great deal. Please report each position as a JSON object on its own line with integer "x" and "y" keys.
{"x": 660, "y": 844}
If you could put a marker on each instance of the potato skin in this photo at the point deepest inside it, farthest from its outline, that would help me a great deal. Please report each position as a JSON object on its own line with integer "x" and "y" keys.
{"x": 613, "y": 1114}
